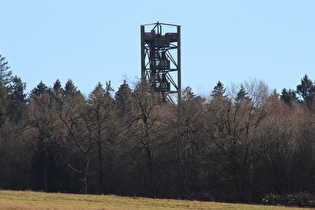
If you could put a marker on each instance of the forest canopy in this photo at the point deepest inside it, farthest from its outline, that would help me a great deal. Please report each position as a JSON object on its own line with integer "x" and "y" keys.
{"x": 238, "y": 144}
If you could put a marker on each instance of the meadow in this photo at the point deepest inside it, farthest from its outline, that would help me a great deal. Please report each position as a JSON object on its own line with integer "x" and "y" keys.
{"x": 27, "y": 200}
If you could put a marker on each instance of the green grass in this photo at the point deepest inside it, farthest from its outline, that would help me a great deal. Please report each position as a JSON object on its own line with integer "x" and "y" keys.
{"x": 27, "y": 200}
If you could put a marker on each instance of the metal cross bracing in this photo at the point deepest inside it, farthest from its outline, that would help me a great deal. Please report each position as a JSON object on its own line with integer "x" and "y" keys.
{"x": 161, "y": 58}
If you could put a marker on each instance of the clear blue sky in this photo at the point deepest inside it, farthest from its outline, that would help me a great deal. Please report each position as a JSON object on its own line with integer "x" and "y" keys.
{"x": 91, "y": 41}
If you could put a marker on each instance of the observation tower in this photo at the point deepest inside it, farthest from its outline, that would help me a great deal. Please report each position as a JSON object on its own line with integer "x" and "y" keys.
{"x": 161, "y": 59}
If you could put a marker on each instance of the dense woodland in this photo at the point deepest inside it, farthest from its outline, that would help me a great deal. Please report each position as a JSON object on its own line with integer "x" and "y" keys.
{"x": 237, "y": 144}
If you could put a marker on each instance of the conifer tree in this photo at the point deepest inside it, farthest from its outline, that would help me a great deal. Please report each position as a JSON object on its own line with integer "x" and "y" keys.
{"x": 70, "y": 88}
{"x": 5, "y": 80}
{"x": 306, "y": 89}
{"x": 123, "y": 99}
{"x": 218, "y": 90}
{"x": 39, "y": 90}
{"x": 288, "y": 96}
{"x": 100, "y": 119}
{"x": 17, "y": 98}
{"x": 5, "y": 73}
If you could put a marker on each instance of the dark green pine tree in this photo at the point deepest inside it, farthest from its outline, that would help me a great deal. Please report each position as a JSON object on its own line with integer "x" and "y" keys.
{"x": 218, "y": 90}
{"x": 242, "y": 95}
{"x": 288, "y": 96}
{"x": 5, "y": 73}
{"x": 71, "y": 89}
{"x": 102, "y": 96}
{"x": 306, "y": 89}
{"x": 98, "y": 91}
{"x": 57, "y": 92}
{"x": 109, "y": 89}
{"x": 17, "y": 98}
{"x": 123, "y": 99}
{"x": 39, "y": 90}
{"x": 57, "y": 89}
{"x": 5, "y": 80}
{"x": 190, "y": 96}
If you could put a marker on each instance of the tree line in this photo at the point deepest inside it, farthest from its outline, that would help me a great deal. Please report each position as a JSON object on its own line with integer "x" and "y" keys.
{"x": 236, "y": 145}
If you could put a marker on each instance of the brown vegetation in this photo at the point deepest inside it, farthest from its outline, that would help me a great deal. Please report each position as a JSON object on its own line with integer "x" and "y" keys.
{"x": 233, "y": 146}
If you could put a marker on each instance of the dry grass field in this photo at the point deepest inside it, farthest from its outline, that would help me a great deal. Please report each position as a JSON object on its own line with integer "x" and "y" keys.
{"x": 27, "y": 200}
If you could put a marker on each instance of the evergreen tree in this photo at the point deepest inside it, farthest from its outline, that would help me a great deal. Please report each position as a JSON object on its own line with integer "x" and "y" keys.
{"x": 5, "y": 73}
{"x": 58, "y": 93}
{"x": 123, "y": 98}
{"x": 242, "y": 96}
{"x": 219, "y": 97}
{"x": 71, "y": 89}
{"x": 17, "y": 99}
{"x": 108, "y": 89}
{"x": 218, "y": 90}
{"x": 39, "y": 90}
{"x": 188, "y": 94}
{"x": 288, "y": 96}
{"x": 306, "y": 89}
{"x": 57, "y": 88}
{"x": 241, "y": 93}
{"x": 100, "y": 118}
{"x": 5, "y": 80}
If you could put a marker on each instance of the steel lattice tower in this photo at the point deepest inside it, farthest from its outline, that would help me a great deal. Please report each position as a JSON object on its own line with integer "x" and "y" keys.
{"x": 161, "y": 58}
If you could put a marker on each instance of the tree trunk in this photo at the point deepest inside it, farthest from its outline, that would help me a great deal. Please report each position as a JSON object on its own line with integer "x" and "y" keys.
{"x": 46, "y": 166}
